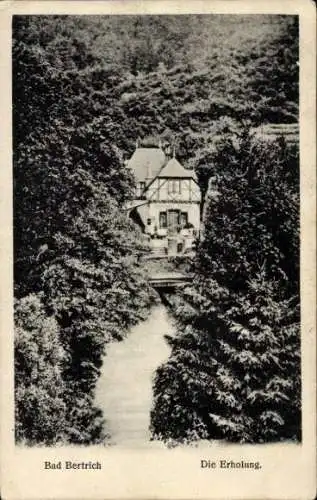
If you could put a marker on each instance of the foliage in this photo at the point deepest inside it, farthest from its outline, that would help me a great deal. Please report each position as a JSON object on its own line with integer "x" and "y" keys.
{"x": 40, "y": 409}
{"x": 234, "y": 372}
{"x": 260, "y": 215}
{"x": 74, "y": 245}
{"x": 49, "y": 409}
{"x": 173, "y": 76}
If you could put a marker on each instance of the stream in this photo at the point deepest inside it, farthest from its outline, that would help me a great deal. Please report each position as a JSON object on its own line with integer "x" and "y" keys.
{"x": 124, "y": 388}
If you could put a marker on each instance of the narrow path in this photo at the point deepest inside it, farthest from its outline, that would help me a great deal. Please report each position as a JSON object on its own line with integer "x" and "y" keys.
{"x": 124, "y": 389}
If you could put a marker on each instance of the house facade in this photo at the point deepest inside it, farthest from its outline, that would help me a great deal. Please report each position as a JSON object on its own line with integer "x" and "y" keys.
{"x": 167, "y": 200}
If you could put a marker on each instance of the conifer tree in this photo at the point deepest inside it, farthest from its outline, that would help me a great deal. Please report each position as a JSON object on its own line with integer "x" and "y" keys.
{"x": 234, "y": 372}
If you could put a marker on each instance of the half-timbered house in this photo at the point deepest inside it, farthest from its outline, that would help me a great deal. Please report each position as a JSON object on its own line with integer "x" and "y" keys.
{"x": 167, "y": 200}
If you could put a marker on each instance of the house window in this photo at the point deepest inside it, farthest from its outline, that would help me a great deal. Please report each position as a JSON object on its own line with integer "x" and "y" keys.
{"x": 139, "y": 189}
{"x": 149, "y": 222}
{"x": 184, "y": 219}
{"x": 174, "y": 186}
{"x": 163, "y": 219}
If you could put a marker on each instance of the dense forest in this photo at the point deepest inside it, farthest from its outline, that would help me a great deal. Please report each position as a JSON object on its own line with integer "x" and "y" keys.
{"x": 84, "y": 89}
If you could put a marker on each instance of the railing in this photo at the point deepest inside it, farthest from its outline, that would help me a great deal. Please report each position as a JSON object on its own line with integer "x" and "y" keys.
{"x": 169, "y": 280}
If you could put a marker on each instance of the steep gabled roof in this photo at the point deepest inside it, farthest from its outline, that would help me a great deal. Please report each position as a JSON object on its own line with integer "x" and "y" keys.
{"x": 146, "y": 163}
{"x": 174, "y": 169}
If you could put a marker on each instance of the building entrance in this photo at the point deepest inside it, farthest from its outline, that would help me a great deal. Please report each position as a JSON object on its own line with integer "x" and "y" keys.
{"x": 173, "y": 220}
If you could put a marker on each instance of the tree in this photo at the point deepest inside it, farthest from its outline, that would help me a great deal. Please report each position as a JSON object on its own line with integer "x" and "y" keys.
{"x": 74, "y": 244}
{"x": 40, "y": 409}
{"x": 234, "y": 372}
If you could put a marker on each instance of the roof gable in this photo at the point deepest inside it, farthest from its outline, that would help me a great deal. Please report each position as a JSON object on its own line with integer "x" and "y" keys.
{"x": 174, "y": 169}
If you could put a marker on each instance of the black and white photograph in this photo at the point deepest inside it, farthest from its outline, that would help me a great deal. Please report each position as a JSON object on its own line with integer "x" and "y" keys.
{"x": 156, "y": 229}
{"x": 156, "y": 236}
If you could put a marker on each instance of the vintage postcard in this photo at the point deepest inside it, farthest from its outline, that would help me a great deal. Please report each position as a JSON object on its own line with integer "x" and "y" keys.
{"x": 158, "y": 246}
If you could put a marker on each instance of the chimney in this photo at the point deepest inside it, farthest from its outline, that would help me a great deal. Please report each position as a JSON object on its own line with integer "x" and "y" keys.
{"x": 148, "y": 171}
